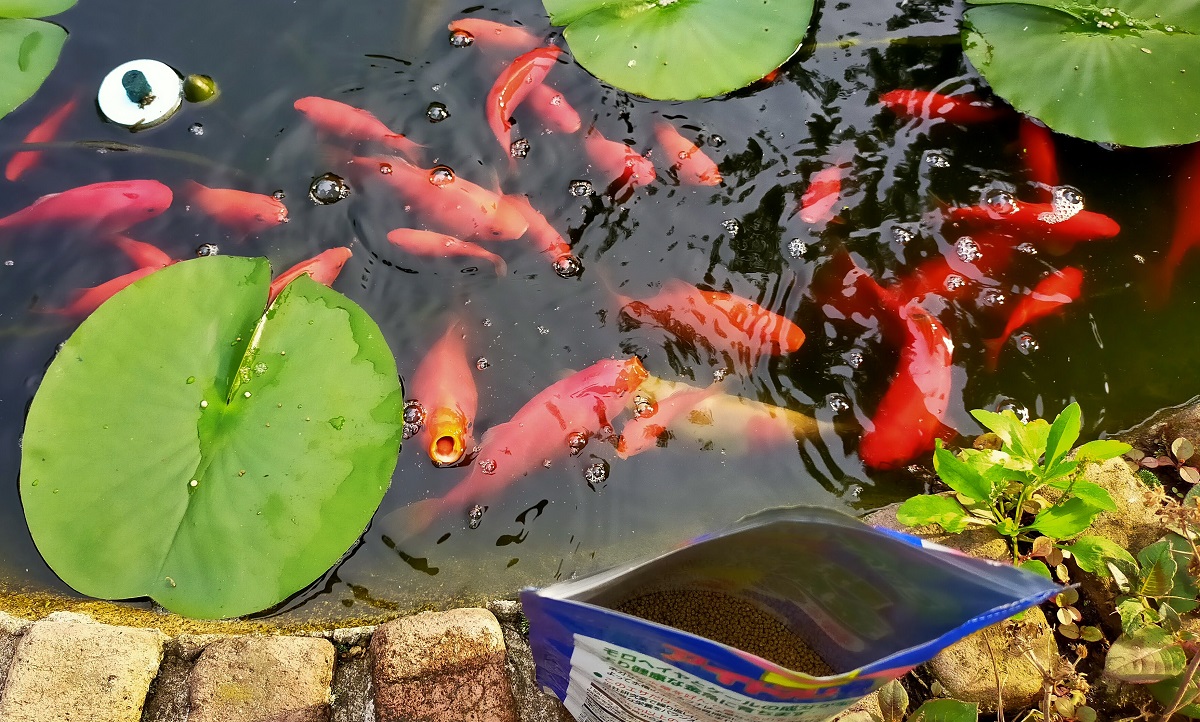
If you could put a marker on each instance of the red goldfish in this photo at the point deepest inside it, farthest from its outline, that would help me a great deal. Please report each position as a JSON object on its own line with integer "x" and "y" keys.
{"x": 1051, "y": 293}
{"x": 1037, "y": 148}
{"x": 452, "y": 203}
{"x": 909, "y": 417}
{"x": 583, "y": 403}
{"x": 346, "y": 121}
{"x": 643, "y": 431}
{"x": 242, "y": 211}
{"x": 43, "y": 133}
{"x": 726, "y": 321}
{"x": 513, "y": 86}
{"x": 542, "y": 234}
{"x": 89, "y": 299}
{"x": 323, "y": 268}
{"x": 104, "y": 207}
{"x": 962, "y": 109}
{"x": 492, "y": 35}
{"x": 1186, "y": 235}
{"x": 143, "y": 255}
{"x": 937, "y": 275}
{"x": 554, "y": 108}
{"x": 617, "y": 162}
{"x": 1058, "y": 226}
{"x": 445, "y": 388}
{"x": 428, "y": 243}
{"x": 690, "y": 163}
{"x": 822, "y": 194}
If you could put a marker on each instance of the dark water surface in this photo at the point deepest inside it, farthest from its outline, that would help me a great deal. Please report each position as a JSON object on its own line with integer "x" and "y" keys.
{"x": 1108, "y": 351}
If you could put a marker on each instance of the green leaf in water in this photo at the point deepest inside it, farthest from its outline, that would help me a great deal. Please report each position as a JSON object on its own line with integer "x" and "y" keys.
{"x": 33, "y": 8}
{"x": 681, "y": 49}
{"x": 149, "y": 486}
{"x": 29, "y": 50}
{"x": 1121, "y": 71}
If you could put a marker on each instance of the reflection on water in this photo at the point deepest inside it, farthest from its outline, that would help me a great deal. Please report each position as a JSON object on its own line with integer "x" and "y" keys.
{"x": 530, "y": 327}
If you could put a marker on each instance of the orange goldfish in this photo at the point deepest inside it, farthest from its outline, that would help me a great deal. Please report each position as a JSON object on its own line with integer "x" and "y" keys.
{"x": 1186, "y": 235}
{"x": 547, "y": 240}
{"x": 965, "y": 109}
{"x": 690, "y": 163}
{"x": 821, "y": 195}
{"x": 513, "y": 86}
{"x": 1037, "y": 148}
{"x": 346, "y": 121}
{"x": 44, "y": 132}
{"x": 143, "y": 255}
{"x": 109, "y": 207}
{"x": 617, "y": 163}
{"x": 242, "y": 211}
{"x": 428, "y": 243}
{"x": 322, "y": 268}
{"x": 87, "y": 300}
{"x": 1057, "y": 227}
{"x": 491, "y": 35}
{"x": 445, "y": 388}
{"x": 1049, "y": 295}
{"x": 554, "y": 108}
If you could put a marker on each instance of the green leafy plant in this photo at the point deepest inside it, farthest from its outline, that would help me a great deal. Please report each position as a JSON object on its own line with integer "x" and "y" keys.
{"x": 187, "y": 446}
{"x": 894, "y": 704}
{"x": 1118, "y": 71}
{"x": 681, "y": 49}
{"x": 1025, "y": 488}
{"x": 29, "y": 48}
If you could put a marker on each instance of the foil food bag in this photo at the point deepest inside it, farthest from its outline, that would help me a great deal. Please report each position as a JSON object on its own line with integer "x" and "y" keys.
{"x": 872, "y": 603}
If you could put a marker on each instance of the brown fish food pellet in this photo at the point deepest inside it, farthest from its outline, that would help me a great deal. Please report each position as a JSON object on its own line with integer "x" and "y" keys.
{"x": 729, "y": 620}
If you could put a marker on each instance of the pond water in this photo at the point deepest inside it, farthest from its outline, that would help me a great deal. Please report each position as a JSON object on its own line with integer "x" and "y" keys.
{"x": 1111, "y": 351}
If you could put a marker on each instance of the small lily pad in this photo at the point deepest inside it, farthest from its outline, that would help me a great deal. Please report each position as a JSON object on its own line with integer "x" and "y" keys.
{"x": 1122, "y": 71}
{"x": 33, "y": 8}
{"x": 681, "y": 49}
{"x": 29, "y": 50}
{"x": 187, "y": 447}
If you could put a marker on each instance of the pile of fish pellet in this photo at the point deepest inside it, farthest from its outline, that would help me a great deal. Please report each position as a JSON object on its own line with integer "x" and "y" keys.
{"x": 729, "y": 620}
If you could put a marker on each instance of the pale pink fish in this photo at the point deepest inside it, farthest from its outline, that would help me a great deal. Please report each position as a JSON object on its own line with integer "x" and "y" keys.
{"x": 346, "y": 121}
{"x": 491, "y": 35}
{"x": 428, "y": 243}
{"x": 322, "y": 268}
{"x": 45, "y": 132}
{"x": 616, "y": 162}
{"x": 241, "y": 211}
{"x": 554, "y": 109}
{"x": 105, "y": 208}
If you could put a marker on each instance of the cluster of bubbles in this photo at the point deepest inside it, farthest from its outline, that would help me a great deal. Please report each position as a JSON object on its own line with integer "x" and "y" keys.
{"x": 936, "y": 159}
{"x": 731, "y": 226}
{"x": 967, "y": 249}
{"x": 1026, "y": 343}
{"x": 414, "y": 418}
{"x": 993, "y": 297}
{"x": 596, "y": 473}
{"x": 580, "y": 188}
{"x": 643, "y": 407}
{"x": 954, "y": 282}
{"x": 576, "y": 441}
{"x": 1065, "y": 203}
{"x": 568, "y": 266}
{"x": 838, "y": 402}
{"x": 482, "y": 363}
{"x": 475, "y": 516}
{"x": 902, "y": 235}
{"x": 206, "y": 249}
{"x": 855, "y": 358}
{"x": 196, "y": 129}
{"x": 487, "y": 466}
{"x": 797, "y": 248}
{"x": 519, "y": 148}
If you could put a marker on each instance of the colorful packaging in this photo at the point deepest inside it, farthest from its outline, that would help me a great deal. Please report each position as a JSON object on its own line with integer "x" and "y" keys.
{"x": 872, "y": 603}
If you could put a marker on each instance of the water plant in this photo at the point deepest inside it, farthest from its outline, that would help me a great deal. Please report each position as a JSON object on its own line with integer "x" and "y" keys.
{"x": 29, "y": 48}
{"x": 187, "y": 446}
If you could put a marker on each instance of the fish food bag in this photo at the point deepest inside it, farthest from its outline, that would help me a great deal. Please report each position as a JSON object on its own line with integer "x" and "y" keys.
{"x": 789, "y": 614}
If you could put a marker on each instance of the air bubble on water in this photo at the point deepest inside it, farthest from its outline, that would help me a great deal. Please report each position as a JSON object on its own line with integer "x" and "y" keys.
{"x": 993, "y": 297}
{"x": 643, "y": 407}
{"x": 797, "y": 248}
{"x": 936, "y": 159}
{"x": 1019, "y": 410}
{"x": 385, "y": 168}
{"x": 954, "y": 282}
{"x": 855, "y": 359}
{"x": 596, "y": 473}
{"x": 475, "y": 516}
{"x": 967, "y": 249}
{"x": 482, "y": 363}
{"x": 328, "y": 188}
{"x": 487, "y": 322}
{"x": 414, "y": 418}
{"x": 196, "y": 129}
{"x": 487, "y": 466}
{"x": 8, "y": 262}
{"x": 441, "y": 176}
{"x": 568, "y": 266}
{"x": 519, "y": 148}
{"x": 837, "y": 402}
{"x": 437, "y": 112}
{"x": 206, "y": 249}
{"x": 279, "y": 194}
{"x": 1066, "y": 202}
{"x": 543, "y": 330}
{"x": 720, "y": 374}
{"x": 1137, "y": 257}
{"x": 715, "y": 141}
{"x": 546, "y": 463}
{"x": 461, "y": 39}
{"x": 1027, "y": 248}
{"x": 731, "y": 226}
{"x": 1026, "y": 343}
{"x": 902, "y": 235}
{"x": 576, "y": 440}
{"x": 580, "y": 188}
{"x": 1000, "y": 201}
{"x": 260, "y": 368}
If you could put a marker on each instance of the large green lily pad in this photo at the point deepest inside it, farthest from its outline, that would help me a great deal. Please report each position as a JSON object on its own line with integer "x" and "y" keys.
{"x": 183, "y": 446}
{"x": 29, "y": 50}
{"x": 33, "y": 8}
{"x": 681, "y": 49}
{"x": 1116, "y": 71}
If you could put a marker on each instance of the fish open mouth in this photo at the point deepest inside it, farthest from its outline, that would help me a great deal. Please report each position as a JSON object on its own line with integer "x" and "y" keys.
{"x": 446, "y": 450}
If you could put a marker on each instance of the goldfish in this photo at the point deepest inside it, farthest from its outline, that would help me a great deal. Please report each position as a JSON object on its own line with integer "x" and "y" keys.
{"x": 445, "y": 387}
{"x": 346, "y": 121}
{"x": 322, "y": 268}
{"x": 109, "y": 207}
{"x": 1037, "y": 149}
{"x": 554, "y": 108}
{"x": 1186, "y": 234}
{"x": 582, "y": 404}
{"x": 965, "y": 109}
{"x": 1056, "y": 226}
{"x": 44, "y": 132}
{"x": 143, "y": 255}
{"x": 448, "y": 201}
{"x": 821, "y": 195}
{"x": 512, "y": 87}
{"x": 937, "y": 276}
{"x": 428, "y": 243}
{"x": 690, "y": 163}
{"x": 1050, "y": 294}
{"x": 643, "y": 431}
{"x": 732, "y": 423}
{"x": 491, "y": 35}
{"x": 87, "y": 300}
{"x": 724, "y": 320}
{"x": 617, "y": 162}
{"x": 909, "y": 417}
{"x": 547, "y": 240}
{"x": 242, "y": 211}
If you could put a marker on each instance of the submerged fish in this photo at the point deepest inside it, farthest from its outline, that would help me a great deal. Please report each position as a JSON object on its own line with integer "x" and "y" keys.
{"x": 1037, "y": 150}
{"x": 444, "y": 385}
{"x": 821, "y": 196}
{"x": 1055, "y": 226}
{"x": 1186, "y": 234}
{"x": 428, "y": 243}
{"x": 346, "y": 121}
{"x": 1048, "y": 296}
{"x": 241, "y": 211}
{"x": 105, "y": 208}
{"x": 548, "y": 241}
{"x": 554, "y": 109}
{"x": 690, "y": 163}
{"x": 515, "y": 84}
{"x": 618, "y": 163}
{"x": 87, "y": 300}
{"x": 44, "y": 132}
{"x": 962, "y": 109}
{"x": 322, "y": 268}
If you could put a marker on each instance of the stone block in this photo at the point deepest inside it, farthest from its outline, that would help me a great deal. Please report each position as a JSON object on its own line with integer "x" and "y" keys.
{"x": 262, "y": 679}
{"x": 533, "y": 705}
{"x": 11, "y": 629}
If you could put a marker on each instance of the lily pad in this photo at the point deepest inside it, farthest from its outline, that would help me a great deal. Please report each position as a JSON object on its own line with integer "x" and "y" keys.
{"x": 681, "y": 49}
{"x": 33, "y": 8}
{"x": 187, "y": 447}
{"x": 1121, "y": 71}
{"x": 29, "y": 50}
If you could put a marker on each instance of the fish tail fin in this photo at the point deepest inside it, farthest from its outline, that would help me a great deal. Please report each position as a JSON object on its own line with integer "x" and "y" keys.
{"x": 418, "y": 516}
{"x": 993, "y": 347}
{"x": 407, "y": 147}
{"x": 501, "y": 266}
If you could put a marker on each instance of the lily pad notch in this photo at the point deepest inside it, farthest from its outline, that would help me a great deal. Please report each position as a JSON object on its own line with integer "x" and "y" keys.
{"x": 186, "y": 447}
{"x": 681, "y": 49}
